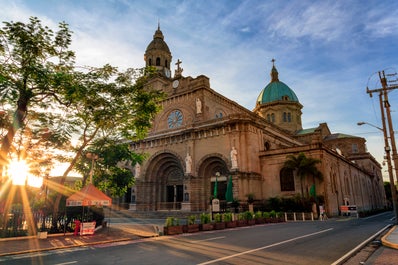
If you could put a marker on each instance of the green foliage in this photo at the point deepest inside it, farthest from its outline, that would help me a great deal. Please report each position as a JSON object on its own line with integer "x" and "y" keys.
{"x": 258, "y": 214}
{"x": 272, "y": 214}
{"x": 172, "y": 221}
{"x": 205, "y": 218}
{"x": 250, "y": 197}
{"x": 227, "y": 217}
{"x": 304, "y": 167}
{"x": 266, "y": 214}
{"x": 191, "y": 219}
{"x": 248, "y": 215}
{"x": 218, "y": 218}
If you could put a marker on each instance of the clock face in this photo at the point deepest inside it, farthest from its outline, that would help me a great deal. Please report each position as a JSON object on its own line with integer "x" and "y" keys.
{"x": 175, "y": 119}
{"x": 175, "y": 83}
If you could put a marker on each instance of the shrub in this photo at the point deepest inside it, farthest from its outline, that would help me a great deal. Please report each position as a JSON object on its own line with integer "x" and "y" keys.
{"x": 266, "y": 215}
{"x": 272, "y": 214}
{"x": 204, "y": 218}
{"x": 248, "y": 215}
{"x": 172, "y": 221}
{"x": 227, "y": 217}
{"x": 191, "y": 219}
{"x": 217, "y": 218}
{"x": 258, "y": 215}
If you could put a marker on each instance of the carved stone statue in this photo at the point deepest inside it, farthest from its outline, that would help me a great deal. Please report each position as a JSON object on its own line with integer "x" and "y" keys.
{"x": 234, "y": 158}
{"x": 188, "y": 164}
{"x": 198, "y": 106}
{"x": 137, "y": 170}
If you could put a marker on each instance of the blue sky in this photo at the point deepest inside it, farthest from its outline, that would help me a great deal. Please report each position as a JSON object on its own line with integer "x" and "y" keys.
{"x": 328, "y": 52}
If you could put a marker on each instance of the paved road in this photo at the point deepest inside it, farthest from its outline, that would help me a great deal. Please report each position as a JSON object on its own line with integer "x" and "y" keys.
{"x": 285, "y": 243}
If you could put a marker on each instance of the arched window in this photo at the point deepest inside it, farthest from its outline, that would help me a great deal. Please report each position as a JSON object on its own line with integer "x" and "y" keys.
{"x": 268, "y": 118}
{"x": 157, "y": 61}
{"x": 289, "y": 117}
{"x": 272, "y": 117}
{"x": 286, "y": 179}
{"x": 166, "y": 64}
{"x": 284, "y": 117}
{"x": 150, "y": 62}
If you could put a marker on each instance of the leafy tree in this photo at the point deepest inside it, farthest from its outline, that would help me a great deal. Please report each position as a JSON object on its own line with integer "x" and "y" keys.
{"x": 34, "y": 65}
{"x": 98, "y": 106}
{"x": 304, "y": 167}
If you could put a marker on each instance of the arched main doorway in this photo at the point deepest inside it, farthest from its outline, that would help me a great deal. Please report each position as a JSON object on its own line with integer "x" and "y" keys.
{"x": 164, "y": 182}
{"x": 213, "y": 168}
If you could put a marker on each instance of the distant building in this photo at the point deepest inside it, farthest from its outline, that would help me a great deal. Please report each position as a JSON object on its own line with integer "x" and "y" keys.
{"x": 201, "y": 134}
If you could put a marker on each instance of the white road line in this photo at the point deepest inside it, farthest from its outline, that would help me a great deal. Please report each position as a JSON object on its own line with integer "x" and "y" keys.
{"x": 209, "y": 239}
{"x": 66, "y": 263}
{"x": 350, "y": 253}
{"x": 265, "y": 247}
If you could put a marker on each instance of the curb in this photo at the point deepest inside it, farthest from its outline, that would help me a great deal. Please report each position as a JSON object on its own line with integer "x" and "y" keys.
{"x": 388, "y": 243}
{"x": 64, "y": 247}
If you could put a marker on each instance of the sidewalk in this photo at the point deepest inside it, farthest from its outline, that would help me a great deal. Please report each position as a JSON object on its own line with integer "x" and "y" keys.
{"x": 388, "y": 253}
{"x": 119, "y": 232}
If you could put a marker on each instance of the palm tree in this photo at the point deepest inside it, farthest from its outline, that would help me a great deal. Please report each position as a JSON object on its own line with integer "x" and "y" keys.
{"x": 304, "y": 166}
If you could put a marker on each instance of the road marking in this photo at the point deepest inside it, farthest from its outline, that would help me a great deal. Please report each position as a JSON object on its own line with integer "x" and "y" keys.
{"x": 350, "y": 253}
{"x": 66, "y": 263}
{"x": 265, "y": 247}
{"x": 209, "y": 239}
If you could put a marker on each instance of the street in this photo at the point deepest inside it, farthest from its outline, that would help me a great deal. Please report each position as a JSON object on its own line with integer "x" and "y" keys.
{"x": 317, "y": 242}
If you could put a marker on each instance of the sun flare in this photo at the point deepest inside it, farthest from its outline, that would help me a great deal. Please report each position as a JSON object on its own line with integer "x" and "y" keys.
{"x": 18, "y": 172}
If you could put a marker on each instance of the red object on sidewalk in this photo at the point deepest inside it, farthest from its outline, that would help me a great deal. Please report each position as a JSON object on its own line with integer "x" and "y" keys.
{"x": 77, "y": 227}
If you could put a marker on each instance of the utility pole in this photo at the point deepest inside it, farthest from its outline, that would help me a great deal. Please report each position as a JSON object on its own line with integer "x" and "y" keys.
{"x": 384, "y": 104}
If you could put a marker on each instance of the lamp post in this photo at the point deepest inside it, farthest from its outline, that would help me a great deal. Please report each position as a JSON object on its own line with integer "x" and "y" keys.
{"x": 388, "y": 158}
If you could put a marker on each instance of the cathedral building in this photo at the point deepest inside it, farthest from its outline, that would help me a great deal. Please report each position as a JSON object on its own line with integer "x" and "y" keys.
{"x": 201, "y": 138}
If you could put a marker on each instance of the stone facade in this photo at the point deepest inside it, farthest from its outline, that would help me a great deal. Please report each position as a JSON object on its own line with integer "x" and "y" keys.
{"x": 201, "y": 137}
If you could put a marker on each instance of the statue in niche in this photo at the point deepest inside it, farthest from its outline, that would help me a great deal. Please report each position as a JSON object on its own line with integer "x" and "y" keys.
{"x": 188, "y": 164}
{"x": 137, "y": 169}
{"x": 234, "y": 158}
{"x": 198, "y": 106}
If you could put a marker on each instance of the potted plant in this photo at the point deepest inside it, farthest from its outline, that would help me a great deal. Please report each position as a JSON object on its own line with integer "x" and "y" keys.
{"x": 191, "y": 226}
{"x": 229, "y": 223}
{"x": 172, "y": 226}
{"x": 219, "y": 224}
{"x": 205, "y": 224}
{"x": 258, "y": 217}
{"x": 249, "y": 218}
{"x": 241, "y": 220}
{"x": 267, "y": 217}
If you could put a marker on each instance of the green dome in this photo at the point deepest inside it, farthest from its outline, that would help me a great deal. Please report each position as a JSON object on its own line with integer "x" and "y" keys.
{"x": 276, "y": 91}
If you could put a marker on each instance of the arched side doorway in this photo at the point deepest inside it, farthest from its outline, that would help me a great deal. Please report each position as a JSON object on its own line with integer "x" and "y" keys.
{"x": 164, "y": 185}
{"x": 212, "y": 168}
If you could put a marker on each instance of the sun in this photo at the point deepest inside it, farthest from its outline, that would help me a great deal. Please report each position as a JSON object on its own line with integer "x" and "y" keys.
{"x": 18, "y": 171}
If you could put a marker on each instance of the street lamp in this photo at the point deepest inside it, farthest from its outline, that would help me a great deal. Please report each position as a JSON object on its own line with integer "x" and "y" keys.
{"x": 388, "y": 157}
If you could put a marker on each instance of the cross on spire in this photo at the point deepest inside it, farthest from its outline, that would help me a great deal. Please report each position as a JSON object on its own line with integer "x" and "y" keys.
{"x": 179, "y": 70}
{"x": 273, "y": 61}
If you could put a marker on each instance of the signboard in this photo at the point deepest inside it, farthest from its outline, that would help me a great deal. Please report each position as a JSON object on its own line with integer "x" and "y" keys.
{"x": 87, "y": 228}
{"x": 349, "y": 209}
{"x": 215, "y": 205}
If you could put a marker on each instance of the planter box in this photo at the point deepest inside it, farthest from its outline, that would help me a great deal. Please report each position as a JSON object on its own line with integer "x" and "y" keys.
{"x": 240, "y": 223}
{"x": 206, "y": 227}
{"x": 260, "y": 220}
{"x": 251, "y": 222}
{"x": 219, "y": 226}
{"x": 173, "y": 230}
{"x": 231, "y": 224}
{"x": 191, "y": 228}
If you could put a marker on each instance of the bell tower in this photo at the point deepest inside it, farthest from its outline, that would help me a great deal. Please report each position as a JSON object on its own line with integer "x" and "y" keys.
{"x": 158, "y": 54}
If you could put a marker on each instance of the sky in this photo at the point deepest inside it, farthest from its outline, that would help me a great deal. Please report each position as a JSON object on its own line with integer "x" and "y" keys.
{"x": 327, "y": 52}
